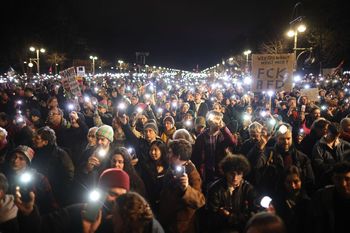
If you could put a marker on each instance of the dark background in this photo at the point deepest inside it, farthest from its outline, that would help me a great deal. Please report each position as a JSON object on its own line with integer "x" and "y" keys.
{"x": 177, "y": 34}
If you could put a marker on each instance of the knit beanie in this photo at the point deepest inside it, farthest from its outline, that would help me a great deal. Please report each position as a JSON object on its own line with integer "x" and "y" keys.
{"x": 27, "y": 151}
{"x": 151, "y": 125}
{"x": 114, "y": 178}
{"x": 170, "y": 119}
{"x": 105, "y": 131}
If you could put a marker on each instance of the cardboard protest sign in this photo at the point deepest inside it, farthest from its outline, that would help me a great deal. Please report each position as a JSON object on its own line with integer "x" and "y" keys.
{"x": 69, "y": 82}
{"x": 272, "y": 72}
{"x": 311, "y": 93}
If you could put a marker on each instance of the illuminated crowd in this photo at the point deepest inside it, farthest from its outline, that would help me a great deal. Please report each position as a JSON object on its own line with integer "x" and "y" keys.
{"x": 174, "y": 151}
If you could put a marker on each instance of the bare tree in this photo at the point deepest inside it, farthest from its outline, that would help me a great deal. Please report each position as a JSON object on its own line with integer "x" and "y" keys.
{"x": 56, "y": 59}
{"x": 273, "y": 47}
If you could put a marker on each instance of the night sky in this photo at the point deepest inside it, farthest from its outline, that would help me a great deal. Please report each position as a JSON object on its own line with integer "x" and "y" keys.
{"x": 178, "y": 34}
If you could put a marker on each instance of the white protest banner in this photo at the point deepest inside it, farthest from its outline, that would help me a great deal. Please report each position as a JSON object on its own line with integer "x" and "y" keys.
{"x": 69, "y": 82}
{"x": 272, "y": 72}
{"x": 311, "y": 93}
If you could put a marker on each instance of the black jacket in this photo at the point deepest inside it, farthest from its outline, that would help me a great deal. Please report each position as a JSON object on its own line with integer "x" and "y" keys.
{"x": 241, "y": 203}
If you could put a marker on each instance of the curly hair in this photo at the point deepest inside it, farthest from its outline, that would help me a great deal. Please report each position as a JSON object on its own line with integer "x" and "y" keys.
{"x": 233, "y": 162}
{"x": 134, "y": 211}
{"x": 47, "y": 134}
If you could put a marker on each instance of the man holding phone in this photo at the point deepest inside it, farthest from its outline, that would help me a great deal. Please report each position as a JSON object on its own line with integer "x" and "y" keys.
{"x": 181, "y": 195}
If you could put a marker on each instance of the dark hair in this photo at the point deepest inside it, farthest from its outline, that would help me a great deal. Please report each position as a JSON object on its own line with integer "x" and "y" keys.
{"x": 4, "y": 185}
{"x": 162, "y": 147}
{"x": 292, "y": 170}
{"x": 136, "y": 183}
{"x": 181, "y": 148}
{"x": 266, "y": 222}
{"x": 47, "y": 134}
{"x": 4, "y": 116}
{"x": 334, "y": 128}
{"x": 320, "y": 123}
{"x": 134, "y": 211}
{"x": 233, "y": 162}
{"x": 341, "y": 167}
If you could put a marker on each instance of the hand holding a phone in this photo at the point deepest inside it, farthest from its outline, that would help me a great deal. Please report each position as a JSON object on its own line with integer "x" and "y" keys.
{"x": 183, "y": 181}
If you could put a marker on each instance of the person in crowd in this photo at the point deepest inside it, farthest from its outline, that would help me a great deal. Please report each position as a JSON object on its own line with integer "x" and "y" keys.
{"x": 330, "y": 205}
{"x": 91, "y": 138}
{"x": 255, "y": 130}
{"x": 181, "y": 194}
{"x": 198, "y": 105}
{"x": 7, "y": 124}
{"x": 291, "y": 202}
{"x": 184, "y": 134}
{"x": 169, "y": 129}
{"x": 329, "y": 150}
{"x": 119, "y": 135}
{"x": 152, "y": 172}
{"x": 121, "y": 159}
{"x": 8, "y": 209}
{"x": 60, "y": 125}
{"x": 231, "y": 199}
{"x": 54, "y": 163}
{"x": 318, "y": 130}
{"x": 210, "y": 147}
{"x": 265, "y": 222}
{"x": 269, "y": 164}
{"x": 133, "y": 214}
{"x": 74, "y": 218}
{"x": 75, "y": 136}
{"x": 141, "y": 145}
{"x": 315, "y": 113}
{"x": 95, "y": 160}
{"x": 36, "y": 119}
{"x": 20, "y": 167}
{"x": 5, "y": 146}
{"x": 185, "y": 108}
{"x": 345, "y": 129}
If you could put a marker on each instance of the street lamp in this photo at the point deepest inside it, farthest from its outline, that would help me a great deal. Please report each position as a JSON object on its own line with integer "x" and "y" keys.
{"x": 246, "y": 53}
{"x": 120, "y": 64}
{"x": 294, "y": 33}
{"x": 37, "y": 59}
{"x": 93, "y": 58}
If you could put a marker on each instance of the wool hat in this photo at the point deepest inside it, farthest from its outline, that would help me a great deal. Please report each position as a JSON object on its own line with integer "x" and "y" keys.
{"x": 170, "y": 119}
{"x": 200, "y": 121}
{"x": 114, "y": 178}
{"x": 35, "y": 112}
{"x": 151, "y": 125}
{"x": 26, "y": 150}
{"x": 105, "y": 131}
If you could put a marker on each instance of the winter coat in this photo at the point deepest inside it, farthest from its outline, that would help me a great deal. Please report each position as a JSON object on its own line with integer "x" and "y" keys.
{"x": 54, "y": 163}
{"x": 268, "y": 168}
{"x": 241, "y": 203}
{"x": 177, "y": 207}
{"x": 201, "y": 155}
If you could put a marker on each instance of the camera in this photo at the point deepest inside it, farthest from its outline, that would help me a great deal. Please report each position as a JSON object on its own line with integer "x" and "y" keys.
{"x": 24, "y": 184}
{"x": 95, "y": 203}
{"x": 179, "y": 171}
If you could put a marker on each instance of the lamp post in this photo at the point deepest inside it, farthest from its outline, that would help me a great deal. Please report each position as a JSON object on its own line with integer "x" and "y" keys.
{"x": 294, "y": 33}
{"x": 93, "y": 58}
{"x": 120, "y": 64}
{"x": 37, "y": 59}
{"x": 246, "y": 53}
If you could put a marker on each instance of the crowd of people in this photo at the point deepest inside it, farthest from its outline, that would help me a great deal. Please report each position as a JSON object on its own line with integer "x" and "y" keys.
{"x": 173, "y": 155}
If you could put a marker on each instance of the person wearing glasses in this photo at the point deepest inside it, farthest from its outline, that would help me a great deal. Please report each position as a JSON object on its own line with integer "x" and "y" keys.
{"x": 270, "y": 163}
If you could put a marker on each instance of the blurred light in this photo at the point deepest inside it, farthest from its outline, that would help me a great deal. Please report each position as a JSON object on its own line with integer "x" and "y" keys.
{"x": 265, "y": 201}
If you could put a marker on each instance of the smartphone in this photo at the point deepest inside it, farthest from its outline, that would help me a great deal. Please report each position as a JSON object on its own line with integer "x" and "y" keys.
{"x": 95, "y": 203}
{"x": 303, "y": 107}
{"x": 179, "y": 171}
